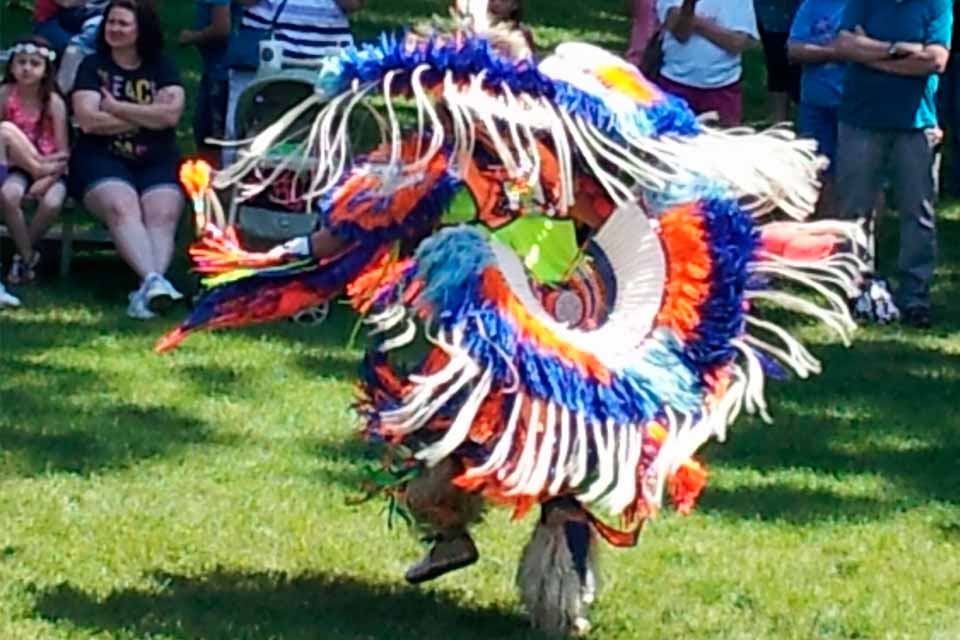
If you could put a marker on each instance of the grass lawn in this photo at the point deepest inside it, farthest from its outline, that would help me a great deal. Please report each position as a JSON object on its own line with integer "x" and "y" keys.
{"x": 208, "y": 494}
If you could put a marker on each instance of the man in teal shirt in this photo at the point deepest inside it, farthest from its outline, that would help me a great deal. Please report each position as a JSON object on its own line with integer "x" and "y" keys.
{"x": 896, "y": 49}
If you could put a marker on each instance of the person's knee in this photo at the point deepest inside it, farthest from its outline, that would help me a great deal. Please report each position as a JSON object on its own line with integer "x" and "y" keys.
{"x": 162, "y": 210}
{"x": 116, "y": 211}
{"x": 11, "y": 195}
{"x": 53, "y": 199}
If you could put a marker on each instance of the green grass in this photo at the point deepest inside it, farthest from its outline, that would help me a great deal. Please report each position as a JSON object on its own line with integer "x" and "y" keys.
{"x": 209, "y": 494}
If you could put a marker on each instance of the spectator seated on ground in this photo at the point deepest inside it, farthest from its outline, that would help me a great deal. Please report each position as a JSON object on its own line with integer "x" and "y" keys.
{"x": 127, "y": 100}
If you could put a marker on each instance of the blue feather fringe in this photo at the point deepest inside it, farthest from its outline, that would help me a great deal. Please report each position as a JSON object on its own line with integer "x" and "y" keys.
{"x": 370, "y": 63}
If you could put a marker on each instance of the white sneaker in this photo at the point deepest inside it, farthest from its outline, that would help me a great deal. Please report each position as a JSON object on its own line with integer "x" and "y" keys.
{"x": 172, "y": 290}
{"x": 159, "y": 293}
{"x": 7, "y": 299}
{"x": 138, "y": 306}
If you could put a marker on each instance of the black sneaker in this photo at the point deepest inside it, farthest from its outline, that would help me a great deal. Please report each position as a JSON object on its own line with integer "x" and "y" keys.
{"x": 917, "y": 317}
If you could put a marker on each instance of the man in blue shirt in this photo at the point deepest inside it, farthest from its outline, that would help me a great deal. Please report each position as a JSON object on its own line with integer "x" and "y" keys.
{"x": 896, "y": 50}
{"x": 813, "y": 43}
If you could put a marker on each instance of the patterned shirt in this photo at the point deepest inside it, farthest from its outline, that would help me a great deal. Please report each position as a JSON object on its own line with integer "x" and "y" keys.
{"x": 306, "y": 28}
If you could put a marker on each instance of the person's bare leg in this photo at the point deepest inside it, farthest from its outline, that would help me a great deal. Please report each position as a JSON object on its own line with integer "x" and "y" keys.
{"x": 778, "y": 103}
{"x": 117, "y": 204}
{"x": 162, "y": 207}
{"x": 41, "y": 186}
{"x": 21, "y": 153}
{"x": 48, "y": 208}
{"x": 11, "y": 199}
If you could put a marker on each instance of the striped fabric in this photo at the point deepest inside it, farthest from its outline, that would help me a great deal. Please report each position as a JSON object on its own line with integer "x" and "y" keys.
{"x": 307, "y": 28}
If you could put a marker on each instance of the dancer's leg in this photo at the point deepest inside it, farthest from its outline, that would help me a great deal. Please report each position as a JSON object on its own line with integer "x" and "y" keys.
{"x": 446, "y": 512}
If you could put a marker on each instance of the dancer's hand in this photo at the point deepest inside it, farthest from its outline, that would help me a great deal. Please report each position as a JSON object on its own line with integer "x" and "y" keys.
{"x": 296, "y": 248}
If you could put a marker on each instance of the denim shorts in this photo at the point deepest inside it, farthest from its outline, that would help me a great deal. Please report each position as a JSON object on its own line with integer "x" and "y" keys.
{"x": 90, "y": 168}
{"x": 820, "y": 124}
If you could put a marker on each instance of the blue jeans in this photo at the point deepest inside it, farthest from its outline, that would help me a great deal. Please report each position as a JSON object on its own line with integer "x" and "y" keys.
{"x": 862, "y": 155}
{"x": 820, "y": 124}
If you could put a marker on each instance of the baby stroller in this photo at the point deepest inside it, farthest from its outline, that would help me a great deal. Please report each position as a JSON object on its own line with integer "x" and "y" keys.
{"x": 277, "y": 214}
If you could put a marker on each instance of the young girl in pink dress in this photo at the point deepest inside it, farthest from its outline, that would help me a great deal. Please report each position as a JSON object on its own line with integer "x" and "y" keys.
{"x": 33, "y": 150}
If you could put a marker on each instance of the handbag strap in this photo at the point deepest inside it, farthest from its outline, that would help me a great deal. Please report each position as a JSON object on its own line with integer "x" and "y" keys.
{"x": 276, "y": 16}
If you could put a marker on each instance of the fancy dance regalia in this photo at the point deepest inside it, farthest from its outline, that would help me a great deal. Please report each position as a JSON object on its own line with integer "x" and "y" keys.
{"x": 564, "y": 274}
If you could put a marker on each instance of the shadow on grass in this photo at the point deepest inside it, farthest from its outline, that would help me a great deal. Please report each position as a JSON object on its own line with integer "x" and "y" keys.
{"x": 54, "y": 421}
{"x": 346, "y": 462}
{"x": 276, "y": 606}
{"x": 796, "y": 506}
{"x": 878, "y": 410}
{"x": 329, "y": 365}
{"x": 884, "y": 408}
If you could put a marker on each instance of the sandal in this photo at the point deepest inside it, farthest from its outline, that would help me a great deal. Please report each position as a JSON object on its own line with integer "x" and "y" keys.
{"x": 21, "y": 272}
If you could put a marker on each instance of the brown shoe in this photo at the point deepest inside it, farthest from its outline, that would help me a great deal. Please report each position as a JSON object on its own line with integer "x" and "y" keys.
{"x": 445, "y": 556}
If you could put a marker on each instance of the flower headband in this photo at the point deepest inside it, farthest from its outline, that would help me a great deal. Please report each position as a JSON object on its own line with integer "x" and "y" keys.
{"x": 31, "y": 48}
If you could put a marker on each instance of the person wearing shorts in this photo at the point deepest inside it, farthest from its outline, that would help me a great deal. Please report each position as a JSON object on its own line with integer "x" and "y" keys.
{"x": 128, "y": 99}
{"x": 703, "y": 53}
